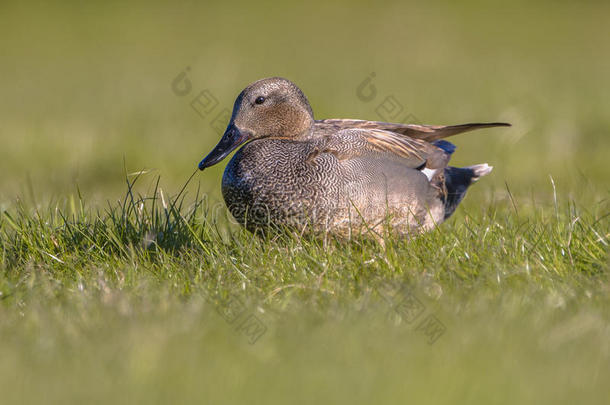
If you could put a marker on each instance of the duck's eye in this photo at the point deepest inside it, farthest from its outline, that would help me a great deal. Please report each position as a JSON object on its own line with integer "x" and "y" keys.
{"x": 259, "y": 100}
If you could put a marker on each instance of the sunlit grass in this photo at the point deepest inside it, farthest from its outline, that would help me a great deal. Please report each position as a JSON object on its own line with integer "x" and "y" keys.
{"x": 129, "y": 295}
{"x": 119, "y": 285}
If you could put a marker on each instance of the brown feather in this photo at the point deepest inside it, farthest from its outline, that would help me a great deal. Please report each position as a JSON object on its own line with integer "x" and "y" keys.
{"x": 399, "y": 145}
{"x": 356, "y": 141}
{"x": 428, "y": 133}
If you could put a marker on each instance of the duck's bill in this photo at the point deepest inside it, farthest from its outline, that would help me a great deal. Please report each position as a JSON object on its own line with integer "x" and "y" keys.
{"x": 231, "y": 139}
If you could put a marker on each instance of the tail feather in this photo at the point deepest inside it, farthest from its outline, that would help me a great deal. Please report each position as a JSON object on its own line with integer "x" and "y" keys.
{"x": 431, "y": 133}
{"x": 480, "y": 170}
{"x": 457, "y": 181}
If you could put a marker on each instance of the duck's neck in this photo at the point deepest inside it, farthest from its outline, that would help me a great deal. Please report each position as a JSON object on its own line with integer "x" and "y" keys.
{"x": 306, "y": 134}
{"x": 300, "y": 129}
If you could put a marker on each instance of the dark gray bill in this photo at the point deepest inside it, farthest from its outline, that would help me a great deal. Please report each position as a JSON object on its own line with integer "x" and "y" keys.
{"x": 231, "y": 139}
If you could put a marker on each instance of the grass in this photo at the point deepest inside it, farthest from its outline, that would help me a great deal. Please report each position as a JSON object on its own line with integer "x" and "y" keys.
{"x": 134, "y": 303}
{"x": 128, "y": 287}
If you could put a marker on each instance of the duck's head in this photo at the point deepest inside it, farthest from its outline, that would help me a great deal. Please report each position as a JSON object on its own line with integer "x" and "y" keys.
{"x": 268, "y": 108}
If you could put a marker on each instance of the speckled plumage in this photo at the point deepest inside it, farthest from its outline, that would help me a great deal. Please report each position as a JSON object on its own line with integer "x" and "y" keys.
{"x": 335, "y": 176}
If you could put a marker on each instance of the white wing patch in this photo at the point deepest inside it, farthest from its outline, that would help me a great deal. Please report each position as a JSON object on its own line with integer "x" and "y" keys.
{"x": 429, "y": 173}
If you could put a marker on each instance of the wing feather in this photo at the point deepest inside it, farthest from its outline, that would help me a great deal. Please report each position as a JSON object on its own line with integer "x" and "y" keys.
{"x": 357, "y": 142}
{"x": 428, "y": 133}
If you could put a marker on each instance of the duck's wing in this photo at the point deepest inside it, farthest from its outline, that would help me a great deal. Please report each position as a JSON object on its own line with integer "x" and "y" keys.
{"x": 358, "y": 142}
{"x": 428, "y": 133}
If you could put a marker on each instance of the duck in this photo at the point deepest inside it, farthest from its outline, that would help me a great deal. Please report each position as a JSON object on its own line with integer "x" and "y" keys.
{"x": 339, "y": 177}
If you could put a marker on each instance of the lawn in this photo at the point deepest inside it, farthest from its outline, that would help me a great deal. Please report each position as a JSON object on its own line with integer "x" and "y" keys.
{"x": 122, "y": 281}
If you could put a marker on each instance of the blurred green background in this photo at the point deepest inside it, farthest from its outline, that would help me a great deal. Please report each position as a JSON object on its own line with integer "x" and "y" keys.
{"x": 87, "y": 86}
{"x": 86, "y": 94}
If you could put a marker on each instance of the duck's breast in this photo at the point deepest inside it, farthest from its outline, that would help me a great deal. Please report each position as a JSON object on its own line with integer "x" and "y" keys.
{"x": 271, "y": 180}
